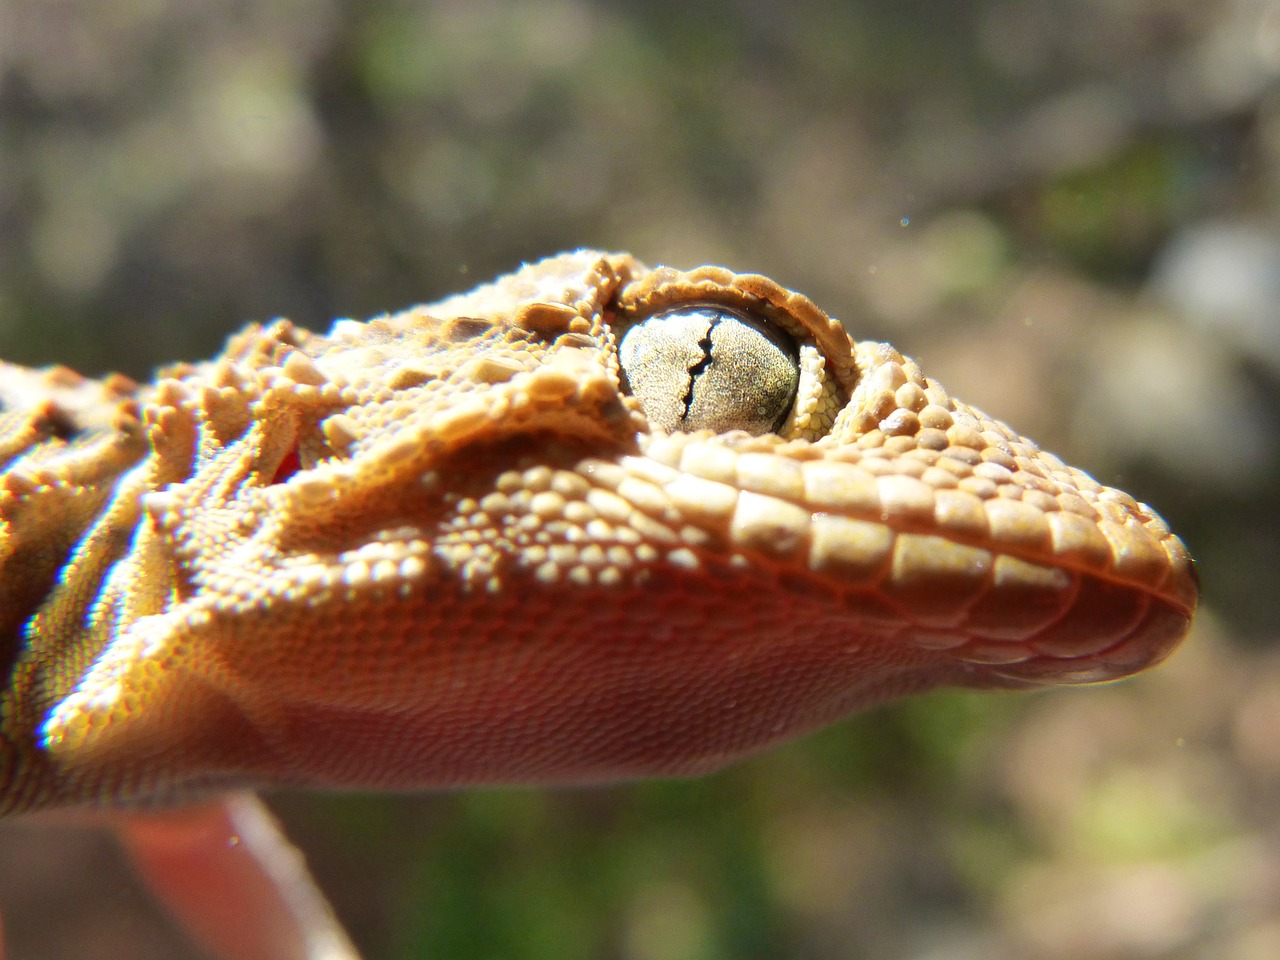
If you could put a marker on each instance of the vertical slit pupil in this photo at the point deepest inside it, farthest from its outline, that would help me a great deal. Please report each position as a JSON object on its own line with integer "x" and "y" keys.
{"x": 698, "y": 369}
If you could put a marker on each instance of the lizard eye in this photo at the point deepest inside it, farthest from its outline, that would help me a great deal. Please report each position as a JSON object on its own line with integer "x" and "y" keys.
{"x": 710, "y": 368}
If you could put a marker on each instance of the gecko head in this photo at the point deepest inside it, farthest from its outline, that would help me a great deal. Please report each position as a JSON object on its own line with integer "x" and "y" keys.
{"x": 594, "y": 520}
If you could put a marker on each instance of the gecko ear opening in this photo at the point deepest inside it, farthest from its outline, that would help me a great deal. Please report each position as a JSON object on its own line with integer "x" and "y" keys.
{"x": 290, "y": 464}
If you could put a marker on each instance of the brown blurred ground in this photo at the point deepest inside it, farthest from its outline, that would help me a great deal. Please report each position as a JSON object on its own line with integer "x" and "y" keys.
{"x": 1067, "y": 210}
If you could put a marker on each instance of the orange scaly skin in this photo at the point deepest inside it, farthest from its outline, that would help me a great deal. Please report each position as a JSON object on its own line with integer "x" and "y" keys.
{"x": 451, "y": 546}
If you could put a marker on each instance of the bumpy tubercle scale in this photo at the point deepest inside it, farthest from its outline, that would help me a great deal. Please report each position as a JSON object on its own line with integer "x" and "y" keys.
{"x": 443, "y": 546}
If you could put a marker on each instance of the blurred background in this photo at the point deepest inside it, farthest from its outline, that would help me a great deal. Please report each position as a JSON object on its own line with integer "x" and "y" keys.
{"x": 1067, "y": 210}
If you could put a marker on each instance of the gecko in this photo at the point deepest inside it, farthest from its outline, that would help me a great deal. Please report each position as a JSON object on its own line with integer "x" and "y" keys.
{"x": 588, "y": 522}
